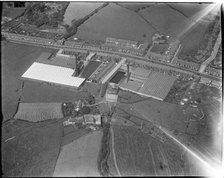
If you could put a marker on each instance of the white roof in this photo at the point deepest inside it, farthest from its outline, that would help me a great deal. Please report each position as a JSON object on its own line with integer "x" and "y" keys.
{"x": 53, "y": 74}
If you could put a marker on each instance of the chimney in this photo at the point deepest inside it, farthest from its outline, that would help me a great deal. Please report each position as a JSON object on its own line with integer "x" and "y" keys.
{"x": 128, "y": 73}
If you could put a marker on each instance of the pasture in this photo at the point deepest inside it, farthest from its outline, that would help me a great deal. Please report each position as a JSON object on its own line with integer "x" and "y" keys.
{"x": 165, "y": 19}
{"x": 118, "y": 22}
{"x": 36, "y": 92}
{"x": 36, "y": 112}
{"x": 16, "y": 58}
{"x": 77, "y": 10}
{"x": 167, "y": 115}
{"x": 139, "y": 154}
{"x": 79, "y": 158}
{"x": 33, "y": 150}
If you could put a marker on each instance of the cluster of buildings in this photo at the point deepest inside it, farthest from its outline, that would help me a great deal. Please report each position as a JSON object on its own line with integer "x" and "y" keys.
{"x": 163, "y": 49}
{"x": 125, "y": 46}
{"x": 92, "y": 121}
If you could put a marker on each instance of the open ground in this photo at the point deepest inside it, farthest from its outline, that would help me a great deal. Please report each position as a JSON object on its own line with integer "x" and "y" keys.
{"x": 16, "y": 58}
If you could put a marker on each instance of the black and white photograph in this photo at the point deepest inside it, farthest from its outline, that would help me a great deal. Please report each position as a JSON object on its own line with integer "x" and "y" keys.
{"x": 111, "y": 88}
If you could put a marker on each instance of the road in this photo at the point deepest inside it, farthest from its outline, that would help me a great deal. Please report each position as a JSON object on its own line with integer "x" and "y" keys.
{"x": 213, "y": 55}
{"x": 43, "y": 43}
{"x": 114, "y": 155}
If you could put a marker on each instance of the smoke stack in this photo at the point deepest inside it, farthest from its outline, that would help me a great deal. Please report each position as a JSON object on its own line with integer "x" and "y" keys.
{"x": 128, "y": 73}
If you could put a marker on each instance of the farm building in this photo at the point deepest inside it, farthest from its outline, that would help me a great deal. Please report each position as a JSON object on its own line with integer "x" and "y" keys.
{"x": 92, "y": 119}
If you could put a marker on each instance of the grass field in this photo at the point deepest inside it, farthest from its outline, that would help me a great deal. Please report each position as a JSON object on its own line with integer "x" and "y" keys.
{"x": 139, "y": 154}
{"x": 191, "y": 40}
{"x": 79, "y": 158}
{"x": 36, "y": 92}
{"x": 118, "y": 22}
{"x": 16, "y": 58}
{"x": 34, "y": 149}
{"x": 165, "y": 19}
{"x": 36, "y": 112}
{"x": 77, "y": 10}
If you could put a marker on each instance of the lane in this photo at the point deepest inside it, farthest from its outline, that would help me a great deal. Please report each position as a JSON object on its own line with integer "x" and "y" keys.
{"x": 114, "y": 155}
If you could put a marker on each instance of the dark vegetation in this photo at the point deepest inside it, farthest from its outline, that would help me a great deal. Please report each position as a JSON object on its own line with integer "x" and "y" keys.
{"x": 104, "y": 151}
{"x": 38, "y": 14}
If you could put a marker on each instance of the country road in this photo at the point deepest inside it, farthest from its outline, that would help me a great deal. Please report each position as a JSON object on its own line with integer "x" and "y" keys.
{"x": 213, "y": 54}
{"x": 44, "y": 43}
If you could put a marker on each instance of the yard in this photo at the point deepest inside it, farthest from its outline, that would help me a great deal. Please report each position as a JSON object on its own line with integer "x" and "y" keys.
{"x": 16, "y": 58}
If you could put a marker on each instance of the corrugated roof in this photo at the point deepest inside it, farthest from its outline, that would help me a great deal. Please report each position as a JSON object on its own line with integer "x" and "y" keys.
{"x": 52, "y": 74}
{"x": 158, "y": 85}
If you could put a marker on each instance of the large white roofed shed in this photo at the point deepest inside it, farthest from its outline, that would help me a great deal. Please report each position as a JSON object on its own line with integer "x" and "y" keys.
{"x": 52, "y": 74}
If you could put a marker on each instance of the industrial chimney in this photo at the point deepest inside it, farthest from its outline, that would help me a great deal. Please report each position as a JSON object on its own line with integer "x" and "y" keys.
{"x": 128, "y": 72}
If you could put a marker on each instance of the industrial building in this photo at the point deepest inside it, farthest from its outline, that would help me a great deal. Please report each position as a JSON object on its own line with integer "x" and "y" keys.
{"x": 112, "y": 92}
{"x": 57, "y": 70}
{"x": 147, "y": 83}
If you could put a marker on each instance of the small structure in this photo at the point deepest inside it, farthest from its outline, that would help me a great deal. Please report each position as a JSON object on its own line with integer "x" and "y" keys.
{"x": 112, "y": 92}
{"x": 92, "y": 119}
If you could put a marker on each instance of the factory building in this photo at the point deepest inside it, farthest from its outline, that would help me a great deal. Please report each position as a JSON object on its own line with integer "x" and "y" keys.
{"x": 58, "y": 70}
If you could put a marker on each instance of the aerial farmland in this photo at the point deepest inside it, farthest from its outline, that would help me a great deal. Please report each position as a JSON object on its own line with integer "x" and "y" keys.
{"x": 111, "y": 89}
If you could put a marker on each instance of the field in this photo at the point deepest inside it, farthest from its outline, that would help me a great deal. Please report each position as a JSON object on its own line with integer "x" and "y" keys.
{"x": 188, "y": 9}
{"x": 165, "y": 19}
{"x": 36, "y": 112}
{"x": 79, "y": 158}
{"x": 77, "y": 10}
{"x": 90, "y": 68}
{"x": 191, "y": 40}
{"x": 36, "y": 92}
{"x": 161, "y": 113}
{"x": 114, "y": 21}
{"x": 138, "y": 154}
{"x": 16, "y": 58}
{"x": 33, "y": 149}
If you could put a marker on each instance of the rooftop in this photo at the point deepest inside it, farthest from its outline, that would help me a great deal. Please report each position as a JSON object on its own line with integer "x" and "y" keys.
{"x": 52, "y": 74}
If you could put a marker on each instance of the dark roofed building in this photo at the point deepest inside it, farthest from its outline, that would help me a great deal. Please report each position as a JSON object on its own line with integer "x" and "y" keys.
{"x": 68, "y": 62}
{"x": 44, "y": 56}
